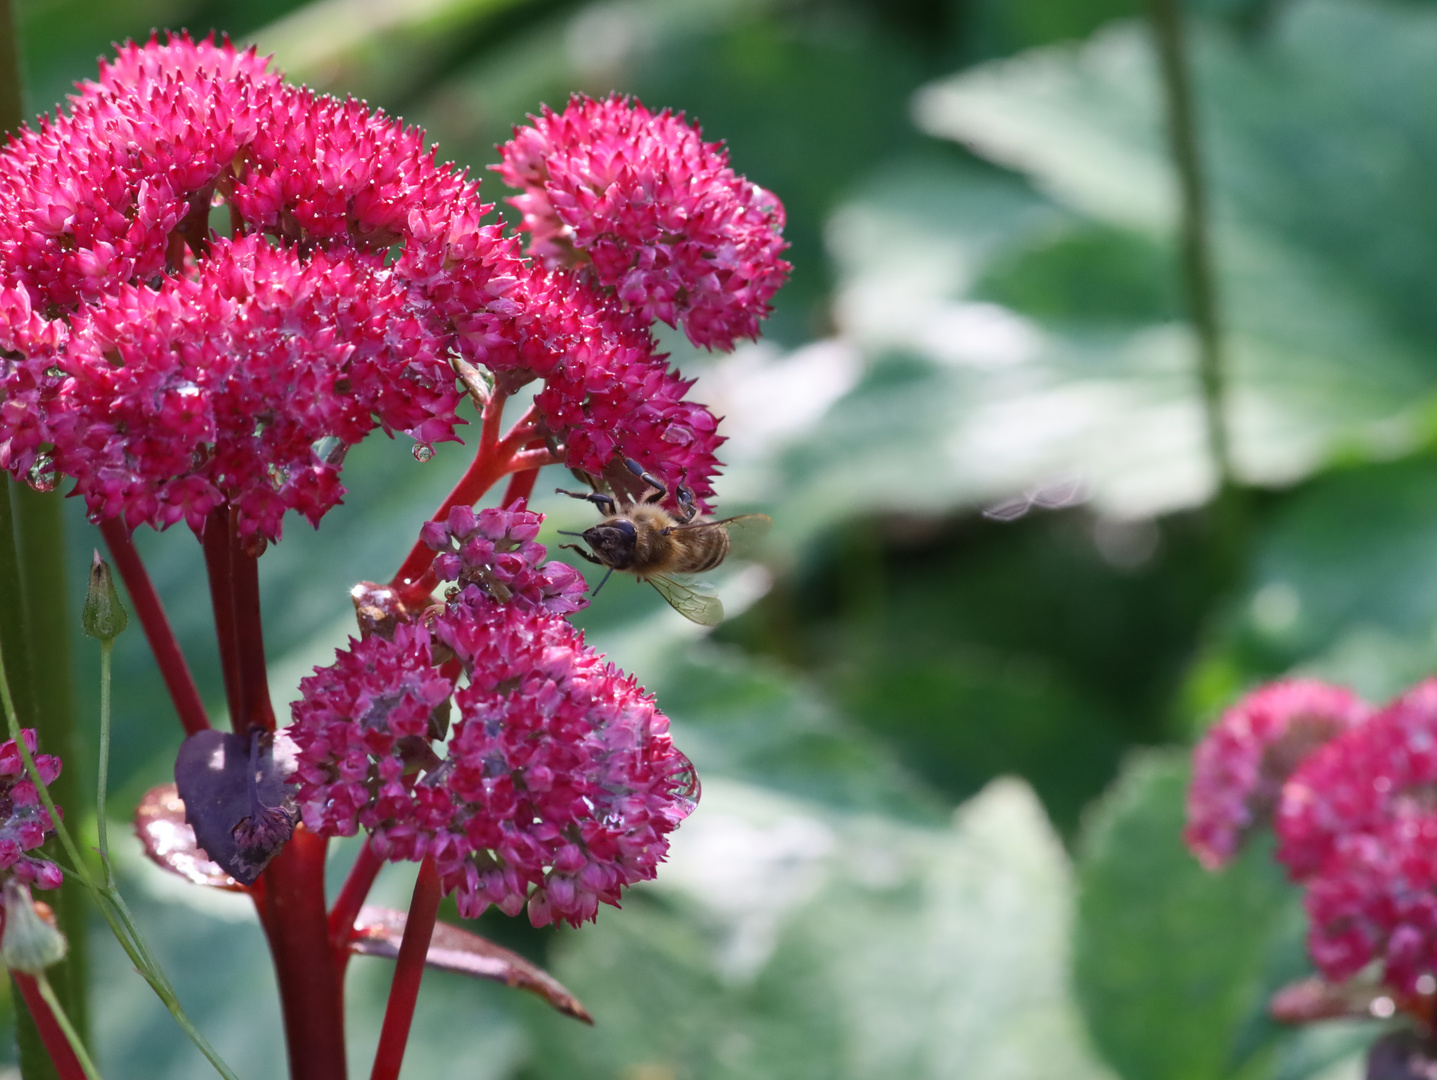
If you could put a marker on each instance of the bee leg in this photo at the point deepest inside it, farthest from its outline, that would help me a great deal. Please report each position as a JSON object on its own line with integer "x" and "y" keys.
{"x": 605, "y": 503}
{"x": 660, "y": 490}
{"x": 585, "y": 554}
{"x": 687, "y": 510}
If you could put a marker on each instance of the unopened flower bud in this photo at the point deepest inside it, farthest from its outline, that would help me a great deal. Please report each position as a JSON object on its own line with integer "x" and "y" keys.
{"x": 30, "y": 943}
{"x": 102, "y": 616}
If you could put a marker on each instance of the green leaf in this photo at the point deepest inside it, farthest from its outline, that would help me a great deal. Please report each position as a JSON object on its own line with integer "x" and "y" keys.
{"x": 1343, "y": 582}
{"x": 1324, "y": 236}
{"x": 1173, "y": 965}
{"x": 789, "y": 942}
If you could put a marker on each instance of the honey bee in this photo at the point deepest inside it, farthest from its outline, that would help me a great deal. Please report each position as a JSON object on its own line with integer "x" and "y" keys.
{"x": 641, "y": 538}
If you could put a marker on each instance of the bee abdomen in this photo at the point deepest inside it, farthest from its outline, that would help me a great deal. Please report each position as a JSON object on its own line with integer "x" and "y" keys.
{"x": 704, "y": 550}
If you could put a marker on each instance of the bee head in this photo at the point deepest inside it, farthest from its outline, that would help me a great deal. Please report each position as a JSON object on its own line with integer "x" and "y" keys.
{"x": 614, "y": 542}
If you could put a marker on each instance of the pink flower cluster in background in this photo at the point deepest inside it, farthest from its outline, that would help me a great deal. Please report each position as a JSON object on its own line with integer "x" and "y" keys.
{"x": 1241, "y": 764}
{"x": 212, "y": 282}
{"x": 1351, "y": 792}
{"x": 24, "y": 821}
{"x": 559, "y": 782}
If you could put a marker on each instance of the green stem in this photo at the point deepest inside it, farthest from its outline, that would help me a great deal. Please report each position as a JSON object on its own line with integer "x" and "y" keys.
{"x": 108, "y": 900}
{"x": 33, "y": 603}
{"x": 102, "y": 779}
{"x": 40, "y": 535}
{"x": 48, "y": 993}
{"x": 39, "y": 607}
{"x": 1199, "y": 280}
{"x": 35, "y": 1062}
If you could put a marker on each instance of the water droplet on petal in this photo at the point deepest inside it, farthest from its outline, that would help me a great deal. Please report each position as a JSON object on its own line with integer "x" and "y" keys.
{"x": 684, "y": 787}
{"x": 42, "y": 475}
{"x": 423, "y": 452}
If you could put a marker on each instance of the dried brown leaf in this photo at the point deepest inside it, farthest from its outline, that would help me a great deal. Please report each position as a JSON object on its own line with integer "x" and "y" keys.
{"x": 170, "y": 841}
{"x": 378, "y": 932}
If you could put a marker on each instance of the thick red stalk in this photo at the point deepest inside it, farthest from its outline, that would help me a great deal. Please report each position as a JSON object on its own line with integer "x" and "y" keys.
{"x": 216, "y": 542}
{"x": 311, "y": 996}
{"x": 492, "y": 418}
{"x": 151, "y": 613}
{"x": 494, "y": 461}
{"x": 256, "y": 709}
{"x": 62, "y": 1054}
{"x": 521, "y": 485}
{"x": 408, "y": 971}
{"x": 530, "y": 461}
{"x": 346, "y": 907}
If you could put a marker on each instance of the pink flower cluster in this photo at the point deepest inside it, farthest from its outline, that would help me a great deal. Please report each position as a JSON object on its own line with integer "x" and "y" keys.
{"x": 359, "y": 724}
{"x": 1355, "y": 811}
{"x": 559, "y": 782}
{"x": 606, "y": 394}
{"x": 24, "y": 821}
{"x": 169, "y": 368}
{"x": 561, "y": 771}
{"x": 495, "y": 549}
{"x": 653, "y": 212}
{"x": 1241, "y": 764}
{"x": 216, "y": 389}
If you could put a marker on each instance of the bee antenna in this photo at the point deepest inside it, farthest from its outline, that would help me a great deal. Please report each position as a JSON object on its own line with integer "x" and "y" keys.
{"x": 600, "y": 585}
{"x": 566, "y": 532}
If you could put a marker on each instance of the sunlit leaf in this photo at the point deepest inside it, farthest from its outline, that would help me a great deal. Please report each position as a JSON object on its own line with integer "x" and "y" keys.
{"x": 791, "y": 943}
{"x": 1317, "y": 219}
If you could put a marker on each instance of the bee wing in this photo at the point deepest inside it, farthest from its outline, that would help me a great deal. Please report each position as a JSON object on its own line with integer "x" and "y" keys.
{"x": 702, "y": 608}
{"x": 744, "y": 531}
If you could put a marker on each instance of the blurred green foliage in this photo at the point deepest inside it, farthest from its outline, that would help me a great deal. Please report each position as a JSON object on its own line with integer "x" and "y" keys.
{"x": 936, "y": 839}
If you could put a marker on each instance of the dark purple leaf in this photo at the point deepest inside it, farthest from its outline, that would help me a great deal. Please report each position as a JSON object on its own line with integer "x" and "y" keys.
{"x": 170, "y": 842}
{"x": 1402, "y": 1055}
{"x": 378, "y": 932}
{"x": 237, "y": 797}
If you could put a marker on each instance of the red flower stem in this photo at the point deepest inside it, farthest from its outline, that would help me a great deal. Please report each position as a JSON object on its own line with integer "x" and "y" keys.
{"x": 346, "y": 906}
{"x": 531, "y": 461}
{"x": 408, "y": 971}
{"x": 494, "y": 461}
{"x": 493, "y": 417}
{"x": 216, "y": 543}
{"x": 256, "y": 707}
{"x": 62, "y": 1054}
{"x": 311, "y": 996}
{"x": 151, "y": 613}
{"x": 521, "y": 484}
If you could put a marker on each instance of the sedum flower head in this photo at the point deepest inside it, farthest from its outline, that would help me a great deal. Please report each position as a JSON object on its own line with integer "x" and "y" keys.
{"x": 607, "y": 395}
{"x": 496, "y": 550}
{"x": 358, "y": 724}
{"x": 559, "y": 783}
{"x": 561, "y": 773}
{"x": 1381, "y": 768}
{"x": 24, "y": 821}
{"x": 1375, "y": 899}
{"x": 169, "y": 368}
{"x": 222, "y": 387}
{"x": 1356, "y": 819}
{"x": 652, "y": 211}
{"x": 1240, "y": 765}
